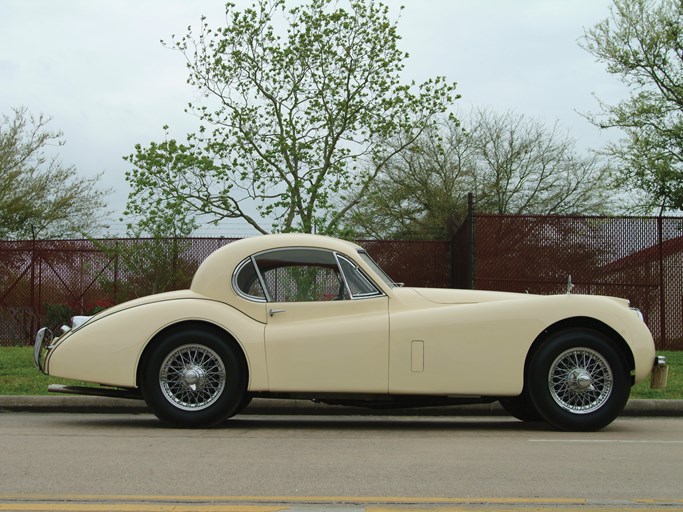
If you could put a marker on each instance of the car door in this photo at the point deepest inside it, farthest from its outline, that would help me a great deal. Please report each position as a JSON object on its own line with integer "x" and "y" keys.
{"x": 324, "y": 333}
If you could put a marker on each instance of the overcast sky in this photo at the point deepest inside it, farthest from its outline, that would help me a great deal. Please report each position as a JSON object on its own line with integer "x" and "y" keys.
{"x": 97, "y": 67}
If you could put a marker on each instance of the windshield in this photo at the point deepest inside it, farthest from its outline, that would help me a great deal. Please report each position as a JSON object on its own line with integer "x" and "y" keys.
{"x": 376, "y": 268}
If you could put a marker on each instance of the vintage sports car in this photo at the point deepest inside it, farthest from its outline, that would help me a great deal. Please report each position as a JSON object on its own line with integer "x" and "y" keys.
{"x": 312, "y": 317}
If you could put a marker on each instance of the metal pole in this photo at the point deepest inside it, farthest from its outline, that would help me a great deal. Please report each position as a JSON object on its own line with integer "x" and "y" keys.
{"x": 662, "y": 294}
{"x": 472, "y": 241}
{"x": 35, "y": 308}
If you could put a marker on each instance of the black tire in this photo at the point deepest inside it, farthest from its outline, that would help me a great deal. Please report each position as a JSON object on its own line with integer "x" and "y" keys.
{"x": 193, "y": 378}
{"x": 244, "y": 403}
{"x": 578, "y": 380}
{"x": 521, "y": 407}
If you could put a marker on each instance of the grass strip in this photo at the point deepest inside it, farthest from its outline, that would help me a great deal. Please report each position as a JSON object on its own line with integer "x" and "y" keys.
{"x": 19, "y": 376}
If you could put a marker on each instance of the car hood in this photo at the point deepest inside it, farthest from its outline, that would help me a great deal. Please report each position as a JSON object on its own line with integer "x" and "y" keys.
{"x": 456, "y": 296}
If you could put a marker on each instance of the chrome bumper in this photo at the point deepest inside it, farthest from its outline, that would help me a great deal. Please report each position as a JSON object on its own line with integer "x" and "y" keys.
{"x": 41, "y": 346}
{"x": 660, "y": 373}
{"x": 45, "y": 337}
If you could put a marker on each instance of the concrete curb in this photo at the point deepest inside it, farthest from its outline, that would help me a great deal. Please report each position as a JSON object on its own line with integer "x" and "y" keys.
{"x": 103, "y": 405}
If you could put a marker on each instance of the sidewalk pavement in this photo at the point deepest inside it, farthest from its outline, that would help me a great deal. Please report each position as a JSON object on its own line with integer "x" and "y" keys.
{"x": 104, "y": 405}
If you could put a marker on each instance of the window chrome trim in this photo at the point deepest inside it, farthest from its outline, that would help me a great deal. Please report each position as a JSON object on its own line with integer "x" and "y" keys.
{"x": 378, "y": 291}
{"x": 235, "y": 285}
{"x": 378, "y": 271}
{"x": 252, "y": 259}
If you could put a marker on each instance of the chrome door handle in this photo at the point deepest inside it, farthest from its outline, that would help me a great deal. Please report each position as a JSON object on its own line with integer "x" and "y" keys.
{"x": 274, "y": 311}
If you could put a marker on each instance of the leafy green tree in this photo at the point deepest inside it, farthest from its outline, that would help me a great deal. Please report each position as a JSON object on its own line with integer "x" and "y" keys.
{"x": 157, "y": 256}
{"x": 297, "y": 105}
{"x": 513, "y": 165}
{"x": 147, "y": 266}
{"x": 39, "y": 196}
{"x": 642, "y": 43}
{"x": 160, "y": 216}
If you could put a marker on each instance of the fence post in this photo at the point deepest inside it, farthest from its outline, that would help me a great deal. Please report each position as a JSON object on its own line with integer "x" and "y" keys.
{"x": 463, "y": 251}
{"x": 115, "y": 287}
{"x": 35, "y": 308}
{"x": 472, "y": 263}
{"x": 662, "y": 292}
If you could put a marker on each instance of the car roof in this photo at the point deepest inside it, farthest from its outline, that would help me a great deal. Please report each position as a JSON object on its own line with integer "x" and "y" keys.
{"x": 211, "y": 275}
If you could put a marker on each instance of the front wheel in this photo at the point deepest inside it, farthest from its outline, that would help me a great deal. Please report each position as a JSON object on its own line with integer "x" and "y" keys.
{"x": 578, "y": 380}
{"x": 193, "y": 378}
{"x": 521, "y": 407}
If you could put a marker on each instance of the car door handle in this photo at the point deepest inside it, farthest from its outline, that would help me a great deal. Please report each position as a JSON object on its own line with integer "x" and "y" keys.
{"x": 274, "y": 311}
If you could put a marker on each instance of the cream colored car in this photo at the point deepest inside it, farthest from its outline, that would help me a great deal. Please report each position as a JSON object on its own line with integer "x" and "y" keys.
{"x": 311, "y": 317}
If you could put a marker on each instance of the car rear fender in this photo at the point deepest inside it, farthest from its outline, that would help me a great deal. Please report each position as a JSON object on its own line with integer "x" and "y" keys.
{"x": 108, "y": 349}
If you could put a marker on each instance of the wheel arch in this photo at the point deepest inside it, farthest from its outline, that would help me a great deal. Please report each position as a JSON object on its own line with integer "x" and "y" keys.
{"x": 585, "y": 323}
{"x": 192, "y": 324}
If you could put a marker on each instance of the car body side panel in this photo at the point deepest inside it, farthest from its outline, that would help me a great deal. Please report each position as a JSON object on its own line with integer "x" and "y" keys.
{"x": 107, "y": 350}
{"x": 480, "y": 349}
{"x": 466, "y": 350}
{"x": 336, "y": 346}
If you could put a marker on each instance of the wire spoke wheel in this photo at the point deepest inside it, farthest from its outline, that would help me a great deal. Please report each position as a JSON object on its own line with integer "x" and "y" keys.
{"x": 580, "y": 380}
{"x": 192, "y": 377}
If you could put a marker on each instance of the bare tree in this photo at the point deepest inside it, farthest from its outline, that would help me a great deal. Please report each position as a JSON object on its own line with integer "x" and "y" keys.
{"x": 524, "y": 167}
{"x": 513, "y": 164}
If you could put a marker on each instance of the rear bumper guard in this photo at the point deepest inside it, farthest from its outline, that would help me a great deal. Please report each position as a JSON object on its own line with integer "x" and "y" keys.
{"x": 660, "y": 373}
{"x": 41, "y": 346}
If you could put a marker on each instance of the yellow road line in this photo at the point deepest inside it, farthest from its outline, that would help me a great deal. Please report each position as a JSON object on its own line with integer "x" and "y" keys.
{"x": 295, "y": 499}
{"x": 157, "y": 503}
{"x": 132, "y": 507}
{"x": 549, "y": 508}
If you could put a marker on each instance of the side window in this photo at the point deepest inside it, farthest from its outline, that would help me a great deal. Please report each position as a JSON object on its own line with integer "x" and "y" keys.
{"x": 359, "y": 285}
{"x": 247, "y": 281}
{"x": 301, "y": 275}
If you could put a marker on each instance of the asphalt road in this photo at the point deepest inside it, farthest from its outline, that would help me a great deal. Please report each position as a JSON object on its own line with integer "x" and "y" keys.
{"x": 76, "y": 461}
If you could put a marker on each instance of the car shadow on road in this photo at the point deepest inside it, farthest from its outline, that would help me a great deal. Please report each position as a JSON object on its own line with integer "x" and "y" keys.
{"x": 321, "y": 423}
{"x": 380, "y": 423}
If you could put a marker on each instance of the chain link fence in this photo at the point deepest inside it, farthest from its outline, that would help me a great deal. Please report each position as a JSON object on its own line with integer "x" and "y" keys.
{"x": 641, "y": 259}
{"x": 44, "y": 283}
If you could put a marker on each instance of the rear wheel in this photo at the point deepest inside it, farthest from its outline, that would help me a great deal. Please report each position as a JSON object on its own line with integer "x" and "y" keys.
{"x": 578, "y": 380}
{"x": 193, "y": 378}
